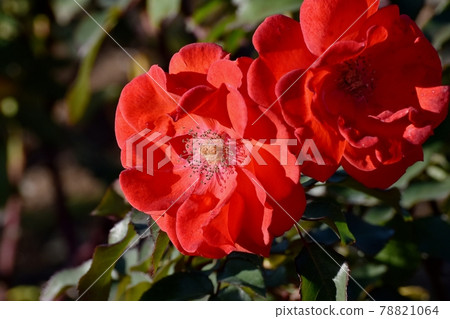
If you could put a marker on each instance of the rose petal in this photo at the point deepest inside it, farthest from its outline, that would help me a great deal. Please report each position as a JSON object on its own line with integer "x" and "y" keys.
{"x": 279, "y": 42}
{"x": 143, "y": 101}
{"x": 285, "y": 194}
{"x": 191, "y": 100}
{"x": 325, "y": 21}
{"x": 225, "y": 72}
{"x": 123, "y": 130}
{"x": 253, "y": 234}
{"x": 261, "y": 83}
{"x": 385, "y": 175}
{"x": 151, "y": 193}
{"x": 196, "y": 57}
{"x": 237, "y": 111}
{"x": 417, "y": 135}
{"x": 435, "y": 100}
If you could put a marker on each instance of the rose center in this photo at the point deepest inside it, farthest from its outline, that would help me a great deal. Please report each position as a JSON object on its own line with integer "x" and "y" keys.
{"x": 211, "y": 154}
{"x": 212, "y": 151}
{"x": 357, "y": 78}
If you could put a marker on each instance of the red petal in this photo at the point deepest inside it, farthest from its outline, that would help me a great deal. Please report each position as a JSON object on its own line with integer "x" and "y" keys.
{"x": 143, "y": 101}
{"x": 354, "y": 137}
{"x": 390, "y": 117}
{"x": 261, "y": 83}
{"x": 412, "y": 63}
{"x": 297, "y": 103}
{"x": 123, "y": 130}
{"x": 192, "y": 215}
{"x": 280, "y": 179}
{"x": 385, "y": 175}
{"x": 325, "y": 21}
{"x": 167, "y": 223}
{"x": 203, "y": 205}
{"x": 217, "y": 234}
{"x": 151, "y": 193}
{"x": 287, "y": 211}
{"x": 330, "y": 148}
{"x": 266, "y": 124}
{"x": 196, "y": 57}
{"x": 225, "y": 105}
{"x": 435, "y": 101}
{"x": 417, "y": 135}
{"x": 225, "y": 72}
{"x": 191, "y": 100}
{"x": 279, "y": 42}
{"x": 385, "y": 16}
{"x": 204, "y": 102}
{"x": 180, "y": 83}
{"x": 295, "y": 98}
{"x": 237, "y": 111}
{"x": 253, "y": 234}
{"x": 166, "y": 220}
{"x": 347, "y": 49}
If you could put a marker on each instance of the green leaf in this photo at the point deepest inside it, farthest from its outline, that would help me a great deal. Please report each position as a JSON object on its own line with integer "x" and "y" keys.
{"x": 95, "y": 284}
{"x": 135, "y": 292}
{"x": 401, "y": 254}
{"x": 119, "y": 231}
{"x": 402, "y": 258}
{"x": 254, "y": 11}
{"x": 112, "y": 204}
{"x": 63, "y": 280}
{"x": 323, "y": 274}
{"x": 330, "y": 212}
{"x": 159, "y": 10}
{"x": 390, "y": 196}
{"x": 78, "y": 97}
{"x": 65, "y": 10}
{"x": 416, "y": 169}
{"x": 370, "y": 239}
{"x": 180, "y": 286}
{"x": 132, "y": 286}
{"x": 424, "y": 191}
{"x": 433, "y": 236}
{"x": 147, "y": 247}
{"x": 233, "y": 293}
{"x": 243, "y": 270}
{"x": 341, "y": 282}
{"x": 209, "y": 10}
{"x": 219, "y": 29}
{"x": 379, "y": 215}
{"x": 144, "y": 224}
{"x": 162, "y": 241}
{"x": 366, "y": 275}
{"x": 277, "y": 276}
{"x": 122, "y": 4}
{"x": 23, "y": 293}
{"x": 165, "y": 269}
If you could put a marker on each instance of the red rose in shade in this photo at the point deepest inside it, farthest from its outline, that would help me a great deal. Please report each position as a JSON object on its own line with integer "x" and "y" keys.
{"x": 209, "y": 199}
{"x": 363, "y": 83}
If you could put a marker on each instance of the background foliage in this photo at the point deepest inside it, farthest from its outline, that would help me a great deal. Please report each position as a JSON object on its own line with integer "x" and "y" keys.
{"x": 60, "y": 79}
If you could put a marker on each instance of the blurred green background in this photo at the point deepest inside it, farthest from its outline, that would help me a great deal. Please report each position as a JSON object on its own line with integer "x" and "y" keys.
{"x": 60, "y": 79}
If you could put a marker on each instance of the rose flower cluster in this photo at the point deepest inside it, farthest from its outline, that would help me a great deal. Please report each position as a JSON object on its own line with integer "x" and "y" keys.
{"x": 211, "y": 148}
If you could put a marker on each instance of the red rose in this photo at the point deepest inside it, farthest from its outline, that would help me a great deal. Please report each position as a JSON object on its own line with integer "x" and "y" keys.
{"x": 363, "y": 83}
{"x": 208, "y": 199}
